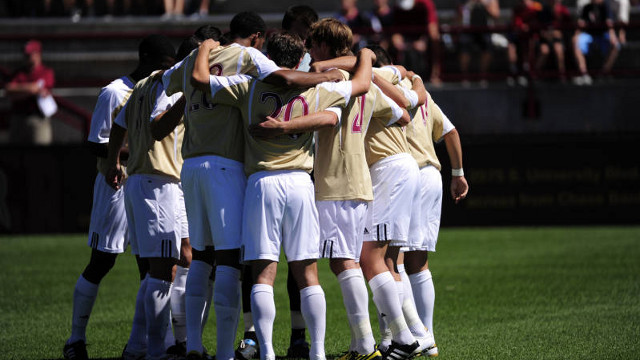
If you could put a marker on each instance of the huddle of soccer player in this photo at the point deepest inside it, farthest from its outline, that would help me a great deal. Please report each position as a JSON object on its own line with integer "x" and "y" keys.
{"x": 219, "y": 151}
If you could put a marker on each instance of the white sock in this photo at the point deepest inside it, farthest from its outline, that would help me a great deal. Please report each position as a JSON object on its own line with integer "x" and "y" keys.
{"x": 385, "y": 296}
{"x": 409, "y": 307}
{"x": 195, "y": 302}
{"x": 425, "y": 295}
{"x": 157, "y": 311}
{"x": 314, "y": 310}
{"x": 385, "y": 333}
{"x": 263, "y": 309}
{"x": 84, "y": 295}
{"x": 356, "y": 302}
{"x": 248, "y": 322}
{"x": 226, "y": 301}
{"x": 169, "y": 339}
{"x": 178, "y": 315}
{"x": 138, "y": 338}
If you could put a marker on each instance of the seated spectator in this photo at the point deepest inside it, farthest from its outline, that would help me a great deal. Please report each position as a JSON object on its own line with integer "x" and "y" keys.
{"x": 553, "y": 18}
{"x": 173, "y": 9}
{"x": 381, "y": 22}
{"x": 595, "y": 28}
{"x": 621, "y": 10}
{"x": 418, "y": 17}
{"x": 523, "y": 23}
{"x": 359, "y": 22}
{"x": 479, "y": 14}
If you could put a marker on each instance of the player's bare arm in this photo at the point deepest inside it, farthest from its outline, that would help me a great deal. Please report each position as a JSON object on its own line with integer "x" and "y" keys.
{"x": 300, "y": 79}
{"x": 392, "y": 92}
{"x": 115, "y": 174}
{"x": 459, "y": 186}
{"x": 200, "y": 75}
{"x": 273, "y": 127}
{"x": 417, "y": 85}
{"x": 163, "y": 124}
{"x": 405, "y": 119}
{"x": 361, "y": 80}
{"x": 347, "y": 63}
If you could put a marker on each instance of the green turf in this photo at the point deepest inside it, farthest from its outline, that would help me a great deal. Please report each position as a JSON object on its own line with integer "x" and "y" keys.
{"x": 511, "y": 293}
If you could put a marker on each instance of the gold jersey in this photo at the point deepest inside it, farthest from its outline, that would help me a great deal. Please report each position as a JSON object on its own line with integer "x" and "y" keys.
{"x": 384, "y": 137}
{"x": 341, "y": 171}
{"x": 257, "y": 99}
{"x": 147, "y": 156}
{"x": 427, "y": 127}
{"x": 215, "y": 129}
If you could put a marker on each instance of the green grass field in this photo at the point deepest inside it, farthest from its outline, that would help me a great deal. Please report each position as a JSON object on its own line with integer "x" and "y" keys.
{"x": 501, "y": 293}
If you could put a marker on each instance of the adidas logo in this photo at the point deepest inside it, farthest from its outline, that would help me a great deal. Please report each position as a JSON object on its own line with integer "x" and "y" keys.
{"x": 366, "y": 231}
{"x": 382, "y": 314}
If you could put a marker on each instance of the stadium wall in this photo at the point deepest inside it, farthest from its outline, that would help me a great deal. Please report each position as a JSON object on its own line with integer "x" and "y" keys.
{"x": 515, "y": 180}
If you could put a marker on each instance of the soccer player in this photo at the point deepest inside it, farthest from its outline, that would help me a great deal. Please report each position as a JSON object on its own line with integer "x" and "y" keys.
{"x": 213, "y": 178}
{"x": 279, "y": 207}
{"x": 342, "y": 208}
{"x": 108, "y": 227}
{"x": 428, "y": 126}
{"x": 153, "y": 200}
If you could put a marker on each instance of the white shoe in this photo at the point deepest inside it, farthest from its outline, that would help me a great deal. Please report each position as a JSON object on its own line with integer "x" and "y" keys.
{"x": 586, "y": 79}
{"x": 432, "y": 351}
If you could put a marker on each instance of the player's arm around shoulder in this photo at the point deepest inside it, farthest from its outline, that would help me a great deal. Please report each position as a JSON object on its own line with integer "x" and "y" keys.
{"x": 361, "y": 80}
{"x": 417, "y": 86}
{"x": 200, "y": 75}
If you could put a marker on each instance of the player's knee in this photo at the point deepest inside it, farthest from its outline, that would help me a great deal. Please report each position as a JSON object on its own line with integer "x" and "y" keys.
{"x": 99, "y": 266}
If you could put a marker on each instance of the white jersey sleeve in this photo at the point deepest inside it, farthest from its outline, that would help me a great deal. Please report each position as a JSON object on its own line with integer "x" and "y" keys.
{"x": 264, "y": 66}
{"x": 447, "y": 126}
{"x": 109, "y": 101}
{"x": 338, "y": 111}
{"x": 122, "y": 117}
{"x": 229, "y": 90}
{"x": 163, "y": 102}
{"x": 344, "y": 88}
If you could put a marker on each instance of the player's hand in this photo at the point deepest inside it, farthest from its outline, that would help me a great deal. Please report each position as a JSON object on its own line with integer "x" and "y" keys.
{"x": 267, "y": 129}
{"x": 209, "y": 44}
{"x": 459, "y": 188}
{"x": 114, "y": 177}
{"x": 367, "y": 53}
{"x": 409, "y": 74}
{"x": 334, "y": 75}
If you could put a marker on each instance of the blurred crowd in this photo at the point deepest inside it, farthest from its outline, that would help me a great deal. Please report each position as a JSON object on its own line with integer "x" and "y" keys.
{"x": 539, "y": 39}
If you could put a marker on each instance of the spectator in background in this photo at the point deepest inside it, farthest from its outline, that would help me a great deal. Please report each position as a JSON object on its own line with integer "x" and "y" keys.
{"x": 553, "y": 18}
{"x": 419, "y": 17}
{"x": 595, "y": 28}
{"x": 621, "y": 10}
{"x": 359, "y": 22}
{"x": 519, "y": 50}
{"x": 381, "y": 21}
{"x": 478, "y": 14}
{"x": 28, "y": 123}
{"x": 298, "y": 20}
{"x": 173, "y": 9}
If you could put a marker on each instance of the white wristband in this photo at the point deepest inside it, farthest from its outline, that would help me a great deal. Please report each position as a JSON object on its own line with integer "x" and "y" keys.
{"x": 457, "y": 172}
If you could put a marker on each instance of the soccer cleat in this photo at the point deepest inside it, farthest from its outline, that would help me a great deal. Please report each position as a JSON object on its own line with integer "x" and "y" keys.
{"x": 132, "y": 355}
{"x": 179, "y": 349}
{"x": 353, "y": 355}
{"x": 432, "y": 351}
{"x": 298, "y": 349}
{"x": 400, "y": 352}
{"x": 75, "y": 351}
{"x": 425, "y": 343}
{"x": 247, "y": 349}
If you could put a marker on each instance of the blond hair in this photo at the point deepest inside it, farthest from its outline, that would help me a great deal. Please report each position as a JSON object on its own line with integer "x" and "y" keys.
{"x": 335, "y": 34}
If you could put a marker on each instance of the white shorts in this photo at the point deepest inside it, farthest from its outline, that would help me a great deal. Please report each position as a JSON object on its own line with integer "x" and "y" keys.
{"x": 279, "y": 210}
{"x": 341, "y": 228}
{"x": 182, "y": 216}
{"x": 390, "y": 217}
{"x": 108, "y": 227}
{"x": 153, "y": 210}
{"x": 213, "y": 194}
{"x": 431, "y": 208}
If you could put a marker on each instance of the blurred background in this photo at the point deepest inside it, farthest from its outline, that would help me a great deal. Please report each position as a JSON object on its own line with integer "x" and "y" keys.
{"x": 544, "y": 95}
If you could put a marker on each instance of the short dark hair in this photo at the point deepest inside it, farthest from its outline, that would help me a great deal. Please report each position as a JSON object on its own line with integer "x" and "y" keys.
{"x": 285, "y": 49}
{"x": 187, "y": 46}
{"x": 302, "y": 13}
{"x": 382, "y": 56}
{"x": 205, "y": 32}
{"x": 156, "y": 46}
{"x": 246, "y": 23}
